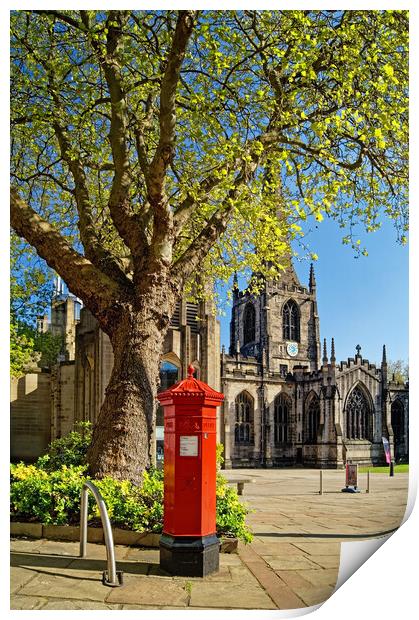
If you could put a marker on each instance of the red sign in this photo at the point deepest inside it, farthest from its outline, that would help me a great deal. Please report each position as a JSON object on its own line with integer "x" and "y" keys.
{"x": 386, "y": 446}
{"x": 351, "y": 475}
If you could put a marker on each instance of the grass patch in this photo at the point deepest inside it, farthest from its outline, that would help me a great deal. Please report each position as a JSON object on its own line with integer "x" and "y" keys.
{"x": 398, "y": 469}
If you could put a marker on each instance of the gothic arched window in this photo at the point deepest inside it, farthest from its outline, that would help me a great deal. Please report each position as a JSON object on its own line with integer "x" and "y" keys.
{"x": 243, "y": 429}
{"x": 311, "y": 420}
{"x": 282, "y": 410}
{"x": 397, "y": 423}
{"x": 249, "y": 320}
{"x": 169, "y": 374}
{"x": 291, "y": 321}
{"x": 358, "y": 416}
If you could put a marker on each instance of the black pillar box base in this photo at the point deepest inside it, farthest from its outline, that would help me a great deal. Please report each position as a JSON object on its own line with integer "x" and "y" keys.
{"x": 189, "y": 556}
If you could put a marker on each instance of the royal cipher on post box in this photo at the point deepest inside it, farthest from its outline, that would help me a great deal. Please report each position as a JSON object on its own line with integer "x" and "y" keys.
{"x": 189, "y": 545}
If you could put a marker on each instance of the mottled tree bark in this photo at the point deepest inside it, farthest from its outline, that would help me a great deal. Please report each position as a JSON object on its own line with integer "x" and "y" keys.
{"x": 121, "y": 445}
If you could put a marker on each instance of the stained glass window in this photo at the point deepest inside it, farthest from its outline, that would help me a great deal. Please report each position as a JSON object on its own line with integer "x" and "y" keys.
{"x": 358, "y": 416}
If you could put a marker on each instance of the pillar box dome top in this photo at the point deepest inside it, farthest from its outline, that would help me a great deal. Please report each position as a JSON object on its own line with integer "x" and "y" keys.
{"x": 190, "y": 390}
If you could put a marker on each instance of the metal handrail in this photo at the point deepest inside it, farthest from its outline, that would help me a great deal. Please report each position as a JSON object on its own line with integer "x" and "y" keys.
{"x": 110, "y": 577}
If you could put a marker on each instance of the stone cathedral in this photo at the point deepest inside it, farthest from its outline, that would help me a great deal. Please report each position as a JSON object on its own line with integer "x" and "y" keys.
{"x": 288, "y": 402}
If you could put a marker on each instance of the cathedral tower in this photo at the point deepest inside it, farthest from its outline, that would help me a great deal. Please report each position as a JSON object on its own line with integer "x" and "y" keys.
{"x": 280, "y": 325}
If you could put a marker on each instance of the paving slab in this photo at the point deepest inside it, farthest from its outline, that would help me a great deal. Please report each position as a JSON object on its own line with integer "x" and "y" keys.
{"x": 151, "y": 591}
{"x": 316, "y": 595}
{"x": 223, "y": 574}
{"x": 24, "y": 544}
{"x": 143, "y": 555}
{"x": 167, "y": 607}
{"x": 19, "y": 577}
{"x": 230, "y": 559}
{"x": 318, "y": 548}
{"x": 54, "y": 547}
{"x": 277, "y": 548}
{"x": 326, "y": 577}
{"x": 98, "y": 566}
{"x": 326, "y": 561}
{"x": 309, "y": 593}
{"x": 241, "y": 596}
{"x": 27, "y": 602}
{"x": 291, "y": 563}
{"x": 35, "y": 560}
{"x": 84, "y": 587}
{"x": 242, "y": 574}
{"x": 74, "y": 604}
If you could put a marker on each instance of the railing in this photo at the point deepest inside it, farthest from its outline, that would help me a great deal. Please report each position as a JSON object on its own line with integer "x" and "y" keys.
{"x": 110, "y": 577}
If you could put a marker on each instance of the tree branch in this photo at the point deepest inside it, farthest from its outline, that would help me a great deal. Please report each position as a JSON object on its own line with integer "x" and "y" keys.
{"x": 63, "y": 17}
{"x": 98, "y": 291}
{"x": 193, "y": 256}
{"x": 93, "y": 249}
{"x": 167, "y": 118}
{"x": 119, "y": 199}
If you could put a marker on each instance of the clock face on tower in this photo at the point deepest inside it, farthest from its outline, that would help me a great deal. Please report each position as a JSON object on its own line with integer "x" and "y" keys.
{"x": 292, "y": 348}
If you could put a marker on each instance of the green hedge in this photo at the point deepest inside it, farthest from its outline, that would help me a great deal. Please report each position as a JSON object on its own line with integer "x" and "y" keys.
{"x": 49, "y": 492}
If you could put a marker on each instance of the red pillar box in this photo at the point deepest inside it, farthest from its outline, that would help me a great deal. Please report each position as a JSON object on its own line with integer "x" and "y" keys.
{"x": 189, "y": 545}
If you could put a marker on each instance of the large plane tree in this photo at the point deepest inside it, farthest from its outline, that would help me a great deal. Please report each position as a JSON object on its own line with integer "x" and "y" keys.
{"x": 152, "y": 147}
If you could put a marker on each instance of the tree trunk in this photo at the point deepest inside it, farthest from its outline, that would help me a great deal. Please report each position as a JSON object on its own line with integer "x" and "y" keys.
{"x": 121, "y": 445}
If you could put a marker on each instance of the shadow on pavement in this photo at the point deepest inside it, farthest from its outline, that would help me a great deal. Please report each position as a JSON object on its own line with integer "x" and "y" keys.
{"x": 308, "y": 535}
{"x": 28, "y": 560}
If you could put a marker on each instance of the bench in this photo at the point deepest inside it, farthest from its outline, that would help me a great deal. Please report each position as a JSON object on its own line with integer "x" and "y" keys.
{"x": 240, "y": 483}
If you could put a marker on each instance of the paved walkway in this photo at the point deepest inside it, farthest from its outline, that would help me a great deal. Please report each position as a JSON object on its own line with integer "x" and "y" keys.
{"x": 293, "y": 561}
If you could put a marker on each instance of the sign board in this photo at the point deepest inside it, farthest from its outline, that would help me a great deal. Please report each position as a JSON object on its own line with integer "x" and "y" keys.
{"x": 386, "y": 446}
{"x": 188, "y": 445}
{"x": 351, "y": 475}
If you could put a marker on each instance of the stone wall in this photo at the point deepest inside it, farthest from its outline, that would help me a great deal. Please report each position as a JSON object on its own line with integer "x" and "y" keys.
{"x": 62, "y": 398}
{"x": 30, "y": 423}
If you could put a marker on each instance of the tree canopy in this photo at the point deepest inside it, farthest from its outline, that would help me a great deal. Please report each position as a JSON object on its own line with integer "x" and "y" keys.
{"x": 199, "y": 137}
{"x": 398, "y": 371}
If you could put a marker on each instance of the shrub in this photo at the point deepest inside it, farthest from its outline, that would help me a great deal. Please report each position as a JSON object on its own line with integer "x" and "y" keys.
{"x": 231, "y": 513}
{"x": 139, "y": 508}
{"x": 48, "y": 497}
{"x": 69, "y": 450}
{"x": 50, "y": 491}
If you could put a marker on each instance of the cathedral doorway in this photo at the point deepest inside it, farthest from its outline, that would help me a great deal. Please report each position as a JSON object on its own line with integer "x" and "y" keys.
{"x": 397, "y": 423}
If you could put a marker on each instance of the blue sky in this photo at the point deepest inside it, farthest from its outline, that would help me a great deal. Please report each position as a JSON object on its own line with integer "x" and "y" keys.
{"x": 361, "y": 300}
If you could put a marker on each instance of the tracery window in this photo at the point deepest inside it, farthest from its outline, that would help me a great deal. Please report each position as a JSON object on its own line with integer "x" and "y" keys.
{"x": 312, "y": 420}
{"x": 282, "y": 412}
{"x": 291, "y": 321}
{"x": 358, "y": 416}
{"x": 249, "y": 321}
{"x": 243, "y": 430}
